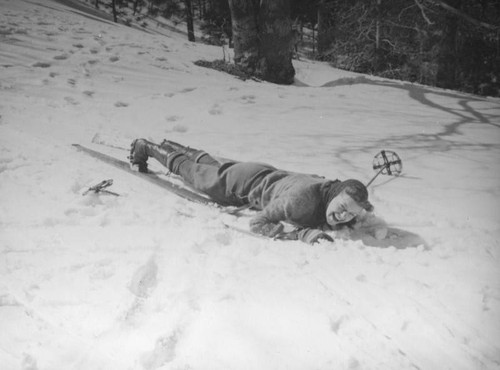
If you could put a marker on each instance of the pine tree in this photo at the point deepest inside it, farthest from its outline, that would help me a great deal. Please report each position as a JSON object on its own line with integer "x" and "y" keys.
{"x": 262, "y": 36}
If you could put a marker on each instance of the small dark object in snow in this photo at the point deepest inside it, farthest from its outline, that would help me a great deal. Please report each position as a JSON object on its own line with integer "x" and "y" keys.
{"x": 101, "y": 188}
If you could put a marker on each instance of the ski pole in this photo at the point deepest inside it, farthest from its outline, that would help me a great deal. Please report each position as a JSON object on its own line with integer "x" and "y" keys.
{"x": 386, "y": 160}
{"x": 376, "y": 175}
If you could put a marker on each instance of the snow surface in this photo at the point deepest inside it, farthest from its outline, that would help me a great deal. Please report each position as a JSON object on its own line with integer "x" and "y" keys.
{"x": 147, "y": 280}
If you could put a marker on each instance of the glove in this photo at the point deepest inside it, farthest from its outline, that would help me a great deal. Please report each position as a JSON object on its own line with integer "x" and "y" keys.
{"x": 312, "y": 236}
{"x": 271, "y": 230}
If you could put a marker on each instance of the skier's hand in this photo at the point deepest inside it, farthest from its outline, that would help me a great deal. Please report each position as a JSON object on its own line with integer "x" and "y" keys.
{"x": 312, "y": 236}
{"x": 271, "y": 230}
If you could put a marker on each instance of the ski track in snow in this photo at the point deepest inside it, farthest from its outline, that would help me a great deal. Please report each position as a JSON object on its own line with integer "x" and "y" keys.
{"x": 150, "y": 281}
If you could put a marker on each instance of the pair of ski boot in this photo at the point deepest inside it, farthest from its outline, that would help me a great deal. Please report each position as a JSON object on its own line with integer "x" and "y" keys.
{"x": 165, "y": 153}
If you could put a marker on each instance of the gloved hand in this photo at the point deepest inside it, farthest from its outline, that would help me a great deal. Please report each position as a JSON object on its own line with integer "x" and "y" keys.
{"x": 272, "y": 230}
{"x": 312, "y": 236}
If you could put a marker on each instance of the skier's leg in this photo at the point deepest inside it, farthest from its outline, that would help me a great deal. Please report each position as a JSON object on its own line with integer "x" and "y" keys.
{"x": 229, "y": 184}
{"x": 202, "y": 177}
{"x": 142, "y": 149}
{"x": 196, "y": 155}
{"x": 206, "y": 178}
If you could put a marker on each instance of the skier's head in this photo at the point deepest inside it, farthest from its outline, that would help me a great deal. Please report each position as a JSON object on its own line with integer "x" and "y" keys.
{"x": 350, "y": 200}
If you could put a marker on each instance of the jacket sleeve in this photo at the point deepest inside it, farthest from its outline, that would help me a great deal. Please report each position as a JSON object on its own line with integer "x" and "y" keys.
{"x": 268, "y": 221}
{"x": 307, "y": 235}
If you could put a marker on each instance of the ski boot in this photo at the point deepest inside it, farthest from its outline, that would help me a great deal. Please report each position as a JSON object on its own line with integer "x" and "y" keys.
{"x": 138, "y": 155}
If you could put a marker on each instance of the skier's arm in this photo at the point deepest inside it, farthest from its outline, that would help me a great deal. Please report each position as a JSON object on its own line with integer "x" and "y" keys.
{"x": 306, "y": 235}
{"x": 268, "y": 221}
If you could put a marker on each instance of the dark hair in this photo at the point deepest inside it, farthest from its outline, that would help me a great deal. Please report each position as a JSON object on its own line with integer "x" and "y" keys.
{"x": 357, "y": 191}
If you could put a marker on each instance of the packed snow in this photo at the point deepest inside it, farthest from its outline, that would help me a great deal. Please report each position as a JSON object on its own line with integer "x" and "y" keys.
{"x": 148, "y": 280}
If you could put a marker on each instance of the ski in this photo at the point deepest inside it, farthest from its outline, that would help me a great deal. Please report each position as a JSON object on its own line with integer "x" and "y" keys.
{"x": 165, "y": 184}
{"x": 149, "y": 176}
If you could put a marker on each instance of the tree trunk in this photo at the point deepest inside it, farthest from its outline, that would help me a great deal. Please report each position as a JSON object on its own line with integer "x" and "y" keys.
{"x": 113, "y": 5}
{"x": 326, "y": 26}
{"x": 245, "y": 33}
{"x": 189, "y": 20}
{"x": 447, "y": 58}
{"x": 378, "y": 63}
{"x": 262, "y": 35}
{"x": 378, "y": 5}
{"x": 276, "y": 42}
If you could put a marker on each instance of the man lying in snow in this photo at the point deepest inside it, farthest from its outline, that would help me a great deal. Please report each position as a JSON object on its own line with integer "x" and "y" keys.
{"x": 309, "y": 202}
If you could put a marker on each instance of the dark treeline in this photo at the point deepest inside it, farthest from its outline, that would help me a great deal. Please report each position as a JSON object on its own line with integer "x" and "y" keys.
{"x": 452, "y": 44}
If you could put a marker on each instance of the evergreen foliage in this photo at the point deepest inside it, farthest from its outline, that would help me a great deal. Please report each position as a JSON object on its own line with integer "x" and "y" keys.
{"x": 452, "y": 44}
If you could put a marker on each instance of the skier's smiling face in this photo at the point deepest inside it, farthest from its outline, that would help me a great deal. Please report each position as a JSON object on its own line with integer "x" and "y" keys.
{"x": 342, "y": 209}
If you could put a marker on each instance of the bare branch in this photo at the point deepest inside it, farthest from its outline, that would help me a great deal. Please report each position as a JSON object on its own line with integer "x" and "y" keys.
{"x": 464, "y": 16}
{"x": 422, "y": 10}
{"x": 400, "y": 25}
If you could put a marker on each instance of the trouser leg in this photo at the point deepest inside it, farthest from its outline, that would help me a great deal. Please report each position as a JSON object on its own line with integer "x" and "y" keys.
{"x": 142, "y": 149}
{"x": 196, "y": 155}
{"x": 204, "y": 177}
{"x": 198, "y": 169}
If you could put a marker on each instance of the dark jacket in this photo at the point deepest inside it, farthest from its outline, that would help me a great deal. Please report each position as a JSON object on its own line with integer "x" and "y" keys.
{"x": 298, "y": 199}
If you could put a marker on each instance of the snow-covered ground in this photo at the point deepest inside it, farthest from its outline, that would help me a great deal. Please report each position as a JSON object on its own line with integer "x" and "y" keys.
{"x": 148, "y": 280}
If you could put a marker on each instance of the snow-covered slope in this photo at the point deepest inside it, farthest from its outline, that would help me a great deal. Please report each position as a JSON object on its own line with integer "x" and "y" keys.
{"x": 148, "y": 280}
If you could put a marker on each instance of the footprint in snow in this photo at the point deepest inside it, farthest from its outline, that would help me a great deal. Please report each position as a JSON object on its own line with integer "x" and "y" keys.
{"x": 335, "y": 324}
{"x": 248, "y": 99}
{"x": 188, "y": 89}
{"x": 61, "y": 57}
{"x": 41, "y": 65}
{"x": 144, "y": 279}
{"x": 215, "y": 110}
{"x": 71, "y": 100}
{"x": 172, "y": 118}
{"x": 164, "y": 352}
{"x": 178, "y": 127}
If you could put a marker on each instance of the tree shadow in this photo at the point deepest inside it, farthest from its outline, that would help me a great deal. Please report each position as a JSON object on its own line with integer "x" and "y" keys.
{"x": 467, "y": 113}
{"x": 397, "y": 238}
{"x": 431, "y": 142}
